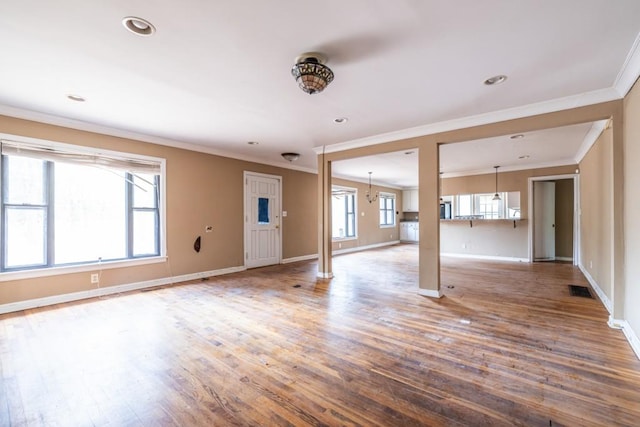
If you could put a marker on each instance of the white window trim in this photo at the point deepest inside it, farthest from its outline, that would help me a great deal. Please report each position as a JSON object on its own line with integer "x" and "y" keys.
{"x": 162, "y": 205}
{"x": 79, "y": 268}
{"x": 395, "y": 206}
{"x": 355, "y": 208}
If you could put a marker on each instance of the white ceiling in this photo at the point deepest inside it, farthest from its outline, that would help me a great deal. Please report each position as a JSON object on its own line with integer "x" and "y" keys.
{"x": 217, "y": 74}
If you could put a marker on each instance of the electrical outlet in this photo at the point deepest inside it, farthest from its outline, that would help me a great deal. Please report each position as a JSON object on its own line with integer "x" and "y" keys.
{"x": 95, "y": 278}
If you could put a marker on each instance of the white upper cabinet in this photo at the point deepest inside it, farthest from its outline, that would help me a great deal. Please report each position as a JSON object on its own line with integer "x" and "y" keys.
{"x": 410, "y": 201}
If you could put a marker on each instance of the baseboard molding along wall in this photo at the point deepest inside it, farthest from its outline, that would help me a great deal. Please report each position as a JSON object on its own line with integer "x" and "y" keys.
{"x": 364, "y": 248}
{"x": 629, "y": 333}
{"x": 614, "y": 323}
{"x": 110, "y": 290}
{"x": 594, "y": 285}
{"x": 299, "y": 258}
{"x": 484, "y": 257}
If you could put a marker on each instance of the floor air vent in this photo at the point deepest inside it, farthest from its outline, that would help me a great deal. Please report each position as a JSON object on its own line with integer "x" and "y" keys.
{"x": 579, "y": 291}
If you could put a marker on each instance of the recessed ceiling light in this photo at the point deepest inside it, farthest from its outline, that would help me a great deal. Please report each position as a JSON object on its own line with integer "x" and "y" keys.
{"x": 518, "y": 136}
{"x": 495, "y": 80}
{"x": 340, "y": 120}
{"x": 526, "y": 156}
{"x": 138, "y": 26}
{"x": 253, "y": 143}
{"x": 76, "y": 98}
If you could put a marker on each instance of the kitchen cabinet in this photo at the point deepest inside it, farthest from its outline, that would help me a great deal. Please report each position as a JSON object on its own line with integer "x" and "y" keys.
{"x": 409, "y": 231}
{"x": 410, "y": 200}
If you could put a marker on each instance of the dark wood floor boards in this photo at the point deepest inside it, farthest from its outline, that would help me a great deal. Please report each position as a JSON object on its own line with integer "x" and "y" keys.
{"x": 506, "y": 345}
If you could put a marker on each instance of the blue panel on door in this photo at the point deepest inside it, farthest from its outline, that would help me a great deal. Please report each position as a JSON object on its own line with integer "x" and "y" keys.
{"x": 263, "y": 210}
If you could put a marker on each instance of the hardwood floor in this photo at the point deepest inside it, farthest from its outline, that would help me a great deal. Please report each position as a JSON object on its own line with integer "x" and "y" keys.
{"x": 506, "y": 345}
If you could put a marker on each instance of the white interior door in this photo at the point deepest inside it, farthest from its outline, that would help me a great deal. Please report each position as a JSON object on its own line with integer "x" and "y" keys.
{"x": 262, "y": 220}
{"x": 544, "y": 217}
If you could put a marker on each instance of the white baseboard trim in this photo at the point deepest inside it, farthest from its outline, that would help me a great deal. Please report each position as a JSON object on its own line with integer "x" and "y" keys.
{"x": 430, "y": 293}
{"x": 564, "y": 258}
{"x": 110, "y": 290}
{"x": 485, "y": 257}
{"x": 615, "y": 323}
{"x": 322, "y": 275}
{"x": 299, "y": 258}
{"x": 364, "y": 248}
{"x": 628, "y": 333}
{"x": 603, "y": 297}
{"x": 633, "y": 339}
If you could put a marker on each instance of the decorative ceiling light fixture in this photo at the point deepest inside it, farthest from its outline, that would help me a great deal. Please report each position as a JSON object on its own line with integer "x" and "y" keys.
{"x": 496, "y": 196}
{"x": 370, "y": 198}
{"x": 138, "y": 26}
{"x": 310, "y": 73}
{"x": 291, "y": 156}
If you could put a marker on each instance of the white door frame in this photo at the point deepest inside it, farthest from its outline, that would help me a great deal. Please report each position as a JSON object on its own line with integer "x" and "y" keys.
{"x": 576, "y": 212}
{"x": 278, "y": 210}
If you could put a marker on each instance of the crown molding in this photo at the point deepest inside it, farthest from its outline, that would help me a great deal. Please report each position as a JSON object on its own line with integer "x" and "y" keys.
{"x": 54, "y": 120}
{"x": 590, "y": 138}
{"x": 573, "y": 101}
{"x": 630, "y": 70}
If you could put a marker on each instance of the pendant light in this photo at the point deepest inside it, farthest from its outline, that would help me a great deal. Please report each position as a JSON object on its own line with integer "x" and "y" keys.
{"x": 496, "y": 196}
{"x": 369, "y": 195}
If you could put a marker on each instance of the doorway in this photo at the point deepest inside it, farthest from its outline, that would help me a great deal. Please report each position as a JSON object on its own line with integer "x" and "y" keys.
{"x": 553, "y": 218}
{"x": 262, "y": 208}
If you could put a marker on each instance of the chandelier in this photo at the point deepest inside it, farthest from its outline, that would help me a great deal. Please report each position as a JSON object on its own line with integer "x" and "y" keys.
{"x": 310, "y": 73}
{"x": 368, "y": 195}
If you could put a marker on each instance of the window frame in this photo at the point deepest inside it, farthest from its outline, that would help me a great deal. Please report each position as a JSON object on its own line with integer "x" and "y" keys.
{"x": 50, "y": 269}
{"x": 475, "y": 203}
{"x": 352, "y": 193}
{"x": 387, "y": 196}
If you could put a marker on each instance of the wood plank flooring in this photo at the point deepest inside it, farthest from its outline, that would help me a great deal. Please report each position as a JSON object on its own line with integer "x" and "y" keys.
{"x": 506, "y": 345}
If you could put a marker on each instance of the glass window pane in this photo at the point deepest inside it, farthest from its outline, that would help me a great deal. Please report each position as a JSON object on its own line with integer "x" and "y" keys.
{"x": 90, "y": 215}
{"x": 338, "y": 227}
{"x": 144, "y": 233}
{"x": 25, "y": 181}
{"x": 464, "y": 205}
{"x": 25, "y": 237}
{"x": 263, "y": 210}
{"x": 144, "y": 191}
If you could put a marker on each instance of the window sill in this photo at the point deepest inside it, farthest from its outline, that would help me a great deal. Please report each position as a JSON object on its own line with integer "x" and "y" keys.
{"x": 95, "y": 266}
{"x": 343, "y": 239}
{"x": 388, "y": 226}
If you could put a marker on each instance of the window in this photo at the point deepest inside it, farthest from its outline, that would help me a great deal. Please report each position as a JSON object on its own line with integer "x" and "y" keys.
{"x": 387, "y": 210}
{"x": 343, "y": 213}
{"x": 489, "y": 208}
{"x": 61, "y": 206}
{"x": 482, "y": 206}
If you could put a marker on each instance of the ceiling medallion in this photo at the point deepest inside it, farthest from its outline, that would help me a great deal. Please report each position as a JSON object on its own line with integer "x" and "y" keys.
{"x": 311, "y": 73}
